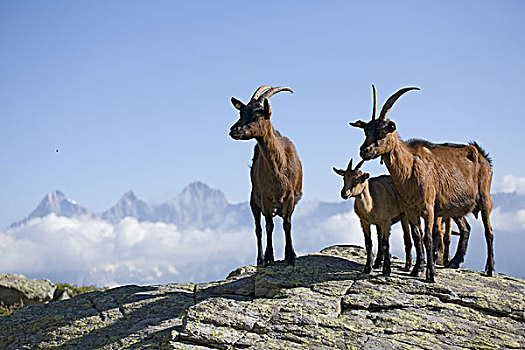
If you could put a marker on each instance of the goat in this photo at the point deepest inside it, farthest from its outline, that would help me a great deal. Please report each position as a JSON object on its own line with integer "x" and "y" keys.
{"x": 376, "y": 204}
{"x": 276, "y": 173}
{"x": 446, "y": 180}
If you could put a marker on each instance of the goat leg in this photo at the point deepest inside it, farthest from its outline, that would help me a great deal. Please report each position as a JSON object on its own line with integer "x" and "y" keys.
{"x": 437, "y": 240}
{"x": 368, "y": 246}
{"x": 289, "y": 254}
{"x": 268, "y": 255}
{"x": 256, "y": 211}
{"x": 408, "y": 243}
{"x": 446, "y": 241}
{"x": 385, "y": 245}
{"x": 420, "y": 256}
{"x": 464, "y": 233}
{"x": 380, "y": 254}
{"x": 429, "y": 224}
{"x": 489, "y": 238}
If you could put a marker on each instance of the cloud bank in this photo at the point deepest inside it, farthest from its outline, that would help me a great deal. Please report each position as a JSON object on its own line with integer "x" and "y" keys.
{"x": 91, "y": 251}
{"x": 84, "y": 251}
{"x": 510, "y": 184}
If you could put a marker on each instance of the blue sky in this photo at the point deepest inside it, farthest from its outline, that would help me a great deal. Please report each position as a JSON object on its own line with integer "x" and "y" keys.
{"x": 136, "y": 95}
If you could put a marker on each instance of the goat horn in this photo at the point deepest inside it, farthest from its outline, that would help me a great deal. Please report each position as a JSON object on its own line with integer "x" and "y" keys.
{"x": 374, "y": 109}
{"x": 273, "y": 91}
{"x": 259, "y": 91}
{"x": 359, "y": 164}
{"x": 391, "y": 100}
{"x": 349, "y": 167}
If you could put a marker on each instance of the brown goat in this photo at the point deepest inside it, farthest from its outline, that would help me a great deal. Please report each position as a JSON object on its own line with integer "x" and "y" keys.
{"x": 376, "y": 204}
{"x": 276, "y": 172}
{"x": 446, "y": 180}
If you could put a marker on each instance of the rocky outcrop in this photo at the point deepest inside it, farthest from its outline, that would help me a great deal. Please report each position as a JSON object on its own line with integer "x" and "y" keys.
{"x": 323, "y": 302}
{"x": 16, "y": 288}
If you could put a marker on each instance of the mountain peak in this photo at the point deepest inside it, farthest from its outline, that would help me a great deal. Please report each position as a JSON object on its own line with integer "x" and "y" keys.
{"x": 197, "y": 187}
{"x": 130, "y": 196}
{"x": 57, "y": 203}
{"x": 128, "y": 205}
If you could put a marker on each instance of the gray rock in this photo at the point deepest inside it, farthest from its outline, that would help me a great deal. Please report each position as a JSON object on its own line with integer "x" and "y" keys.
{"x": 15, "y": 288}
{"x": 323, "y": 302}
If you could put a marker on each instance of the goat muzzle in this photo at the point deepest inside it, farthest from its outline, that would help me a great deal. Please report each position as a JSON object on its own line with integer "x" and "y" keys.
{"x": 367, "y": 153}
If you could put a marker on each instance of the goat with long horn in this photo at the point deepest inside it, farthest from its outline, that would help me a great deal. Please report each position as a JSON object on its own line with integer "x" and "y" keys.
{"x": 276, "y": 173}
{"x": 446, "y": 180}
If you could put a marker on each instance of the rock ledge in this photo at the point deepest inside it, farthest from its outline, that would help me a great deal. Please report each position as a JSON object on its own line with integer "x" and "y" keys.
{"x": 324, "y": 302}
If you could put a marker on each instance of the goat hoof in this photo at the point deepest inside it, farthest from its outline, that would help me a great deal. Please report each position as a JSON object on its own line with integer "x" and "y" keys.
{"x": 386, "y": 273}
{"x": 452, "y": 264}
{"x": 268, "y": 263}
{"x": 489, "y": 273}
{"x": 290, "y": 256}
{"x": 290, "y": 261}
{"x": 415, "y": 271}
{"x": 377, "y": 265}
{"x": 431, "y": 277}
{"x": 407, "y": 266}
{"x": 367, "y": 269}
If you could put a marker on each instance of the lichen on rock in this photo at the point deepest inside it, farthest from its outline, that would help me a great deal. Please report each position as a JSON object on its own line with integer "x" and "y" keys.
{"x": 323, "y": 302}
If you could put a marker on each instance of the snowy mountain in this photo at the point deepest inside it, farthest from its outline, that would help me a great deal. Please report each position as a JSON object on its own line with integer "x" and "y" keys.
{"x": 128, "y": 205}
{"x": 199, "y": 206}
{"x": 198, "y": 235}
{"x": 55, "y": 202}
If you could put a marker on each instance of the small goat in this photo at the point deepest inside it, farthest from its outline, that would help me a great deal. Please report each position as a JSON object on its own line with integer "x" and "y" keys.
{"x": 376, "y": 204}
{"x": 446, "y": 180}
{"x": 276, "y": 172}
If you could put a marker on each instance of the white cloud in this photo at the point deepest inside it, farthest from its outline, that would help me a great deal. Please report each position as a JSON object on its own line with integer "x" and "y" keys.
{"x": 90, "y": 251}
{"x": 508, "y": 221}
{"x": 510, "y": 184}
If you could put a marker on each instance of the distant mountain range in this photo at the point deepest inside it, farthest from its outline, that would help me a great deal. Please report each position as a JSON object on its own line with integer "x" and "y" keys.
{"x": 199, "y": 206}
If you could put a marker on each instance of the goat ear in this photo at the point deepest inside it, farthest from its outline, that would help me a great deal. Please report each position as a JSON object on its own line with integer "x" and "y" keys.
{"x": 339, "y": 171}
{"x": 358, "y": 124}
{"x": 267, "y": 109}
{"x": 390, "y": 127}
{"x": 237, "y": 104}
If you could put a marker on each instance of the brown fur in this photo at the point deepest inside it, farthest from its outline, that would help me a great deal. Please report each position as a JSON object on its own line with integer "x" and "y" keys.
{"x": 432, "y": 180}
{"x": 376, "y": 204}
{"x": 276, "y": 175}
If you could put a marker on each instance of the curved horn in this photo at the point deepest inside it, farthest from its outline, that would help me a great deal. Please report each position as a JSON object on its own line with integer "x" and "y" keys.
{"x": 349, "y": 167}
{"x": 374, "y": 109}
{"x": 259, "y": 91}
{"x": 359, "y": 164}
{"x": 391, "y": 100}
{"x": 273, "y": 91}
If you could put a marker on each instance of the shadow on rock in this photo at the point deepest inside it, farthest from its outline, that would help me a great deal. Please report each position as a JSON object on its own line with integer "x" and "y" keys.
{"x": 135, "y": 316}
